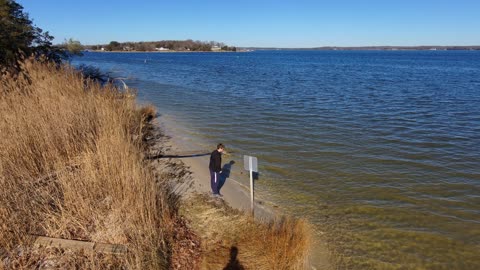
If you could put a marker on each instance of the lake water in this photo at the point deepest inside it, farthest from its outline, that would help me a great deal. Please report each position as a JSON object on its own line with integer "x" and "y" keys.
{"x": 380, "y": 150}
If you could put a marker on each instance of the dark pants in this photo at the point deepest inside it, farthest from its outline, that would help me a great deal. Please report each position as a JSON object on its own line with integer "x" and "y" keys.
{"x": 214, "y": 181}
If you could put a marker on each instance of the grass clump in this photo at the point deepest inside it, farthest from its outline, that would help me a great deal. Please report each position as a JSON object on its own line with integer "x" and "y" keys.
{"x": 231, "y": 239}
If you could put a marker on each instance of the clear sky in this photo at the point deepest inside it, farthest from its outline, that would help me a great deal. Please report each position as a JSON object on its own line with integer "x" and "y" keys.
{"x": 262, "y": 23}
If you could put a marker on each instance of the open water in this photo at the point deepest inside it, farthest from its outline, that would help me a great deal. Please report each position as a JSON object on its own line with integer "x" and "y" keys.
{"x": 380, "y": 150}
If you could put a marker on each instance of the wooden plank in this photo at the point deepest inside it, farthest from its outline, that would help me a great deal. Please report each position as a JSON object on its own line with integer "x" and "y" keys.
{"x": 184, "y": 154}
{"x": 110, "y": 248}
{"x": 64, "y": 243}
{"x": 44, "y": 241}
{"x": 180, "y": 154}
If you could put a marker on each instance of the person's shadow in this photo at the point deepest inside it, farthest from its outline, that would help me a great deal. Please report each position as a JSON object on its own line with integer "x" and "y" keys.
{"x": 226, "y": 169}
{"x": 234, "y": 263}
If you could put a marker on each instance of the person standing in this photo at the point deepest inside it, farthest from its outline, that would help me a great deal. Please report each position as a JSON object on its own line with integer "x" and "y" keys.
{"x": 215, "y": 167}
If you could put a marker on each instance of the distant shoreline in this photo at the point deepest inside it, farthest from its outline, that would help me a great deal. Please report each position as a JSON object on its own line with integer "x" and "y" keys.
{"x": 169, "y": 51}
{"x": 375, "y": 48}
{"x": 322, "y": 48}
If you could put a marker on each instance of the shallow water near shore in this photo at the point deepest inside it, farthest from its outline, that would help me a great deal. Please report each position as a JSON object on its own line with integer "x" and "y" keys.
{"x": 380, "y": 150}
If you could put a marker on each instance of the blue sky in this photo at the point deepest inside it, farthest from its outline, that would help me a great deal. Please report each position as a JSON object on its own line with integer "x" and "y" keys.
{"x": 263, "y": 23}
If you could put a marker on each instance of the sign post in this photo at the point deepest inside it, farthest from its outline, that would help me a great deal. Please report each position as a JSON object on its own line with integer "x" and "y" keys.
{"x": 250, "y": 164}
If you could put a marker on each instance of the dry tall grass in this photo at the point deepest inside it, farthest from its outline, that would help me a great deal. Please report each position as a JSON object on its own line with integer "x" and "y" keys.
{"x": 71, "y": 166}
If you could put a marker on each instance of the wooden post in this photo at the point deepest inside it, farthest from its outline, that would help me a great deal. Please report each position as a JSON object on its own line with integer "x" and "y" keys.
{"x": 251, "y": 185}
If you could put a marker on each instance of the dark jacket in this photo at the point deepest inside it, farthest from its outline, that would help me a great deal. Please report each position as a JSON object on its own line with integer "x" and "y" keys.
{"x": 215, "y": 161}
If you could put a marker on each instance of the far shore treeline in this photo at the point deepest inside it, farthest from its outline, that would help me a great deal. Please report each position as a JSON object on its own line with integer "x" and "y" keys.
{"x": 163, "y": 45}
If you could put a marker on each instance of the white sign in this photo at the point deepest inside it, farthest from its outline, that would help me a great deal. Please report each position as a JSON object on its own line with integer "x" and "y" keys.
{"x": 250, "y": 163}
